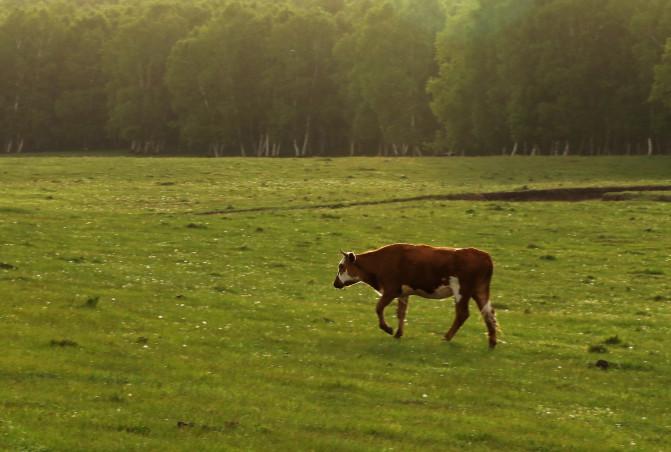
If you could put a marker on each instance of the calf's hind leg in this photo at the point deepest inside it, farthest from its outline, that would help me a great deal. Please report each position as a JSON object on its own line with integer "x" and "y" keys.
{"x": 488, "y": 315}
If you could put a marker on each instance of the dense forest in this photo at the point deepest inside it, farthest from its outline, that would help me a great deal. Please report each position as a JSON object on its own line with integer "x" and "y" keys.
{"x": 336, "y": 77}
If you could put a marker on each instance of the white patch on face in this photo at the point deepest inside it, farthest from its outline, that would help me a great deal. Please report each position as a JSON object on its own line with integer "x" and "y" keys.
{"x": 345, "y": 277}
{"x": 454, "y": 285}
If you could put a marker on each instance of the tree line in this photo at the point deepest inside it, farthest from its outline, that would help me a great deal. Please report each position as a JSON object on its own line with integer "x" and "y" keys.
{"x": 336, "y": 77}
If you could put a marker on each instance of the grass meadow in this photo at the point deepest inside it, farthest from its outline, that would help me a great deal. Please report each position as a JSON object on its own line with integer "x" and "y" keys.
{"x": 131, "y": 321}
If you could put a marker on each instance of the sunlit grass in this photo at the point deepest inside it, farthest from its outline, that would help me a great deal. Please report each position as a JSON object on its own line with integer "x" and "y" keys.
{"x": 223, "y": 332}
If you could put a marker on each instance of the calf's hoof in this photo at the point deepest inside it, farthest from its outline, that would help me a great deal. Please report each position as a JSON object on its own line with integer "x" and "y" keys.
{"x": 387, "y": 329}
{"x": 492, "y": 345}
{"x": 399, "y": 334}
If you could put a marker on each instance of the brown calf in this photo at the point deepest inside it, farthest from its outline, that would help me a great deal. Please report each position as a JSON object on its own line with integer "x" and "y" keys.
{"x": 401, "y": 270}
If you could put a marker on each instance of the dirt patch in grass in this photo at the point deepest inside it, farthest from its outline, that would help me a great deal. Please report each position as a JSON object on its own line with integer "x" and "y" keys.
{"x": 564, "y": 194}
{"x": 631, "y": 195}
{"x": 522, "y": 195}
{"x": 63, "y": 343}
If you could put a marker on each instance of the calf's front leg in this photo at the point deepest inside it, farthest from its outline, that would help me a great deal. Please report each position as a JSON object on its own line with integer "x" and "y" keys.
{"x": 401, "y": 309}
{"x": 381, "y": 304}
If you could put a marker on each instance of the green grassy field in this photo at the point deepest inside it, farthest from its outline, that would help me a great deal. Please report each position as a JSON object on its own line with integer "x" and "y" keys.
{"x": 131, "y": 321}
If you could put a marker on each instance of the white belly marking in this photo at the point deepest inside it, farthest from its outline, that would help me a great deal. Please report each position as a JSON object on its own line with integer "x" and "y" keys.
{"x": 439, "y": 293}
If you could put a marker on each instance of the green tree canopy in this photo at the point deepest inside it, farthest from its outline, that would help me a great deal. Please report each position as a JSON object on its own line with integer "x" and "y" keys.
{"x": 336, "y": 77}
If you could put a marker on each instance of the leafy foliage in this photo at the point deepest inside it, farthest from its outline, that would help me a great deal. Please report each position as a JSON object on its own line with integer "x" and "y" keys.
{"x": 557, "y": 76}
{"x": 318, "y": 77}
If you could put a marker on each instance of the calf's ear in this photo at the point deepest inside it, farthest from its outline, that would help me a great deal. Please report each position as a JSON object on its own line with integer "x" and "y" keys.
{"x": 351, "y": 257}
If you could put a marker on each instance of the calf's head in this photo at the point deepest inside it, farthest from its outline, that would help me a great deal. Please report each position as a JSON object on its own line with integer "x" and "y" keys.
{"x": 348, "y": 273}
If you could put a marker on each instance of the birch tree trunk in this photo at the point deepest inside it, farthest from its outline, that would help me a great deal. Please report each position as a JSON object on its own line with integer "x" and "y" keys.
{"x": 306, "y": 137}
{"x": 259, "y": 147}
{"x": 514, "y": 151}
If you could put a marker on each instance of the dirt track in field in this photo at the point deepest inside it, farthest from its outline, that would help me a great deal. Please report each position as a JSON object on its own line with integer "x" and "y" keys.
{"x": 523, "y": 195}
